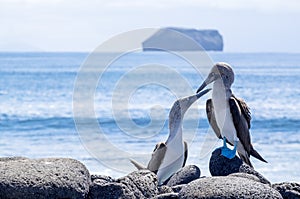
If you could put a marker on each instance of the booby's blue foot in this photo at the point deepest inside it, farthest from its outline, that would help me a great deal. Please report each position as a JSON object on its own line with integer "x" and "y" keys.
{"x": 226, "y": 152}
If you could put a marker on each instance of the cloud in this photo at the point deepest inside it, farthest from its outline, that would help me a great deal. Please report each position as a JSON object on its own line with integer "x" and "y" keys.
{"x": 81, "y": 25}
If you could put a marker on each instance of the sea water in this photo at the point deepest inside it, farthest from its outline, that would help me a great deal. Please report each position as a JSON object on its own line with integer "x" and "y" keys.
{"x": 131, "y": 106}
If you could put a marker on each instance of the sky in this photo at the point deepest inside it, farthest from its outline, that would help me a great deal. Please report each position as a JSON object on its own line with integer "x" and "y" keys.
{"x": 77, "y": 25}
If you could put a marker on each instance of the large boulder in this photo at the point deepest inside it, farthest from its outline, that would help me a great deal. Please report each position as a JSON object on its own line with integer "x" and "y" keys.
{"x": 222, "y": 166}
{"x": 138, "y": 184}
{"x": 43, "y": 178}
{"x": 184, "y": 175}
{"x": 288, "y": 190}
{"x": 228, "y": 187}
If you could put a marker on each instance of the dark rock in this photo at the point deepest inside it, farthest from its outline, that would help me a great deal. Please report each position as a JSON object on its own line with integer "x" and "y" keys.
{"x": 165, "y": 189}
{"x": 107, "y": 188}
{"x": 102, "y": 177}
{"x": 222, "y": 166}
{"x": 43, "y": 178}
{"x": 184, "y": 175}
{"x": 244, "y": 168}
{"x": 138, "y": 184}
{"x": 142, "y": 183}
{"x": 177, "y": 188}
{"x": 167, "y": 196}
{"x": 228, "y": 187}
{"x": 288, "y": 190}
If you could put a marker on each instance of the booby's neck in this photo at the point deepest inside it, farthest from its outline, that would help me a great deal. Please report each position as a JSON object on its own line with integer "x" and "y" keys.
{"x": 175, "y": 135}
{"x": 220, "y": 90}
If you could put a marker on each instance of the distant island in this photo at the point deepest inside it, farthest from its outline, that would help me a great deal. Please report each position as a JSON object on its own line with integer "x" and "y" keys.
{"x": 183, "y": 39}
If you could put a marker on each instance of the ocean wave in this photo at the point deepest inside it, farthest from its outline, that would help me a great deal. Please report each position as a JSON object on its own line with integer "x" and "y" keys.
{"x": 15, "y": 123}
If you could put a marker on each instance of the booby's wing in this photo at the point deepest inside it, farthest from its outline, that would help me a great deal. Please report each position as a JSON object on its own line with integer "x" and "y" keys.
{"x": 211, "y": 118}
{"x": 245, "y": 110}
{"x": 241, "y": 118}
{"x": 157, "y": 157}
{"x": 185, "y": 153}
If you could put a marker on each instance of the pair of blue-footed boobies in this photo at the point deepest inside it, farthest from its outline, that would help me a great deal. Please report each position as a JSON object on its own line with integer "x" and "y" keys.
{"x": 228, "y": 116}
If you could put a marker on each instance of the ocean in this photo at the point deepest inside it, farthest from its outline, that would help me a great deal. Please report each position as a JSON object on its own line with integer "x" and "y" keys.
{"x": 44, "y": 112}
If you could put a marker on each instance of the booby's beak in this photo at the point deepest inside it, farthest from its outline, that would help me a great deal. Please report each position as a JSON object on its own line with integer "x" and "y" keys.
{"x": 200, "y": 94}
{"x": 211, "y": 77}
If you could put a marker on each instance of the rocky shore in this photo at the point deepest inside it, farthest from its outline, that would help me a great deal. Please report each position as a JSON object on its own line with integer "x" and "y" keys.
{"x": 68, "y": 178}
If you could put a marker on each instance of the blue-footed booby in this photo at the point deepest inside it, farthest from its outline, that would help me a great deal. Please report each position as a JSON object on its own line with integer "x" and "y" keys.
{"x": 228, "y": 115}
{"x": 168, "y": 157}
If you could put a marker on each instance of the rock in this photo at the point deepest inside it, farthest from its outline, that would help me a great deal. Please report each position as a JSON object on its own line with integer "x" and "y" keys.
{"x": 177, "y": 188}
{"x": 245, "y": 175}
{"x": 244, "y": 168}
{"x": 183, "y": 39}
{"x": 165, "y": 189}
{"x": 142, "y": 183}
{"x": 184, "y": 175}
{"x": 43, "y": 178}
{"x": 167, "y": 196}
{"x": 138, "y": 184}
{"x": 102, "y": 177}
{"x": 288, "y": 190}
{"x": 107, "y": 188}
{"x": 222, "y": 166}
{"x": 227, "y": 187}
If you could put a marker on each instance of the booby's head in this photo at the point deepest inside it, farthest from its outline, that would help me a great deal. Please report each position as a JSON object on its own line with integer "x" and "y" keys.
{"x": 180, "y": 106}
{"x": 220, "y": 71}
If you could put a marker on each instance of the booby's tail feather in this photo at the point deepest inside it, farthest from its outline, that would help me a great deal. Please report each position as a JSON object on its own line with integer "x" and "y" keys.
{"x": 255, "y": 154}
{"x": 245, "y": 159}
{"x": 138, "y": 165}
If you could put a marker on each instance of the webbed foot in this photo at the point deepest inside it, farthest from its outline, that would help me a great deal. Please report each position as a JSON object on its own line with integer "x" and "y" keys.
{"x": 226, "y": 152}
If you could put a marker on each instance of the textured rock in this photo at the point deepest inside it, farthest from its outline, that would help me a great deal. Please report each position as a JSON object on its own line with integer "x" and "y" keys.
{"x": 107, "y": 188}
{"x": 178, "y": 188}
{"x": 228, "y": 187}
{"x": 43, "y": 178}
{"x": 222, "y": 166}
{"x": 167, "y": 196}
{"x": 244, "y": 168}
{"x": 288, "y": 190}
{"x": 184, "y": 175}
{"x": 245, "y": 175}
{"x": 165, "y": 189}
{"x": 142, "y": 183}
{"x": 138, "y": 184}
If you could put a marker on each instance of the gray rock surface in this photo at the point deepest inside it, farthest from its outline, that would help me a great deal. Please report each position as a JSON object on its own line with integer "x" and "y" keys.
{"x": 165, "y": 189}
{"x": 245, "y": 175}
{"x": 138, "y": 184}
{"x": 178, "y": 188}
{"x": 43, "y": 178}
{"x": 228, "y": 187}
{"x": 184, "y": 175}
{"x": 167, "y": 196}
{"x": 288, "y": 190}
{"x": 107, "y": 188}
